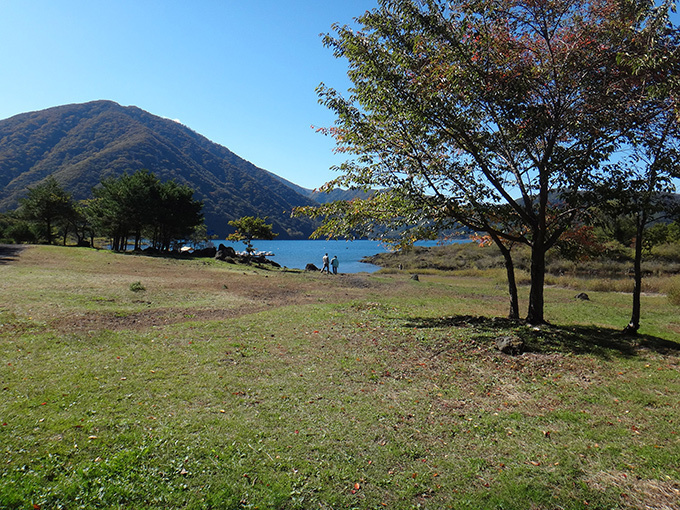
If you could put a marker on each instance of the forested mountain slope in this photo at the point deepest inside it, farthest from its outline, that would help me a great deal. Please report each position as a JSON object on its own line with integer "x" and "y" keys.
{"x": 80, "y": 144}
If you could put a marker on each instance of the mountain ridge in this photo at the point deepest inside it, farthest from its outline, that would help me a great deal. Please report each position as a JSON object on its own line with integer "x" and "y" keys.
{"x": 81, "y": 144}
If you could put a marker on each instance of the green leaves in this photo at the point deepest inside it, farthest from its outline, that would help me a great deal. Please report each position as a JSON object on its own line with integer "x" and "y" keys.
{"x": 139, "y": 204}
{"x": 494, "y": 114}
{"x": 47, "y": 204}
{"x": 249, "y": 228}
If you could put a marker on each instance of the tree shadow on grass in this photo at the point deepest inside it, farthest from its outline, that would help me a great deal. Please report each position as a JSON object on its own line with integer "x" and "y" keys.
{"x": 9, "y": 252}
{"x": 577, "y": 339}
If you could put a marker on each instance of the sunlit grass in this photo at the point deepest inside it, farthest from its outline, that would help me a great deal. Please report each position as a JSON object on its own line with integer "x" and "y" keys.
{"x": 383, "y": 393}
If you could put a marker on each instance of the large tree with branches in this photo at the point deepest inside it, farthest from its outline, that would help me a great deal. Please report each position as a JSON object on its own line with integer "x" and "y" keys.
{"x": 492, "y": 114}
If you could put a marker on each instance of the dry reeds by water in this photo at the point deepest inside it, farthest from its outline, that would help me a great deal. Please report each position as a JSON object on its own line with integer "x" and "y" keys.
{"x": 608, "y": 273}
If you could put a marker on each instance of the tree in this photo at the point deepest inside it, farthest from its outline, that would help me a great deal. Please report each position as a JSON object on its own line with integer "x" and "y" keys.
{"x": 176, "y": 215}
{"x": 640, "y": 183}
{"x": 249, "y": 228}
{"x": 493, "y": 114}
{"x": 140, "y": 205}
{"x": 46, "y": 204}
{"x": 82, "y": 224}
{"x": 641, "y": 188}
{"x": 15, "y": 229}
{"x": 109, "y": 211}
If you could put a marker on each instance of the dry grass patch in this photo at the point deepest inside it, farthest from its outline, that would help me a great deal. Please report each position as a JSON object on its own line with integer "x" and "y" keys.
{"x": 84, "y": 289}
{"x": 639, "y": 493}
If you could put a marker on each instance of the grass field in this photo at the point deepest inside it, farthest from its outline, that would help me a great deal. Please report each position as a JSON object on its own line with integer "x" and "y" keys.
{"x": 131, "y": 382}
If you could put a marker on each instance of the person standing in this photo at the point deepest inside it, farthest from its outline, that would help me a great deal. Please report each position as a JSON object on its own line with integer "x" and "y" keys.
{"x": 325, "y": 266}
{"x": 335, "y": 263}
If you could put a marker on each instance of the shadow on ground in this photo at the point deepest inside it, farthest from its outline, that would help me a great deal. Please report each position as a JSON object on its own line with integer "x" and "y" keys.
{"x": 597, "y": 341}
{"x": 9, "y": 252}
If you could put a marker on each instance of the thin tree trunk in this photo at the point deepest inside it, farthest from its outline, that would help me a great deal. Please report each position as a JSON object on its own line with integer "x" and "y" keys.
{"x": 48, "y": 231}
{"x": 512, "y": 282}
{"x": 634, "y": 324}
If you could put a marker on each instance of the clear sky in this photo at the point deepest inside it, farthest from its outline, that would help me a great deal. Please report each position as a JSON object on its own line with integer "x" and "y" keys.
{"x": 242, "y": 73}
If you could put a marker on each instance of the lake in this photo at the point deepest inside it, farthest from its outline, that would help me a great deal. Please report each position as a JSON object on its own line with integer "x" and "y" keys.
{"x": 297, "y": 254}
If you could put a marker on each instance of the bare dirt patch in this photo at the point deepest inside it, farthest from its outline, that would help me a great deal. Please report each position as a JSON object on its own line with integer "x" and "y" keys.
{"x": 175, "y": 290}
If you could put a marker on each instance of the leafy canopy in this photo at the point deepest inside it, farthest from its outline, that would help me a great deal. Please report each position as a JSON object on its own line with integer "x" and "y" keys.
{"x": 249, "y": 228}
{"x": 493, "y": 114}
{"x": 46, "y": 204}
{"x": 140, "y": 205}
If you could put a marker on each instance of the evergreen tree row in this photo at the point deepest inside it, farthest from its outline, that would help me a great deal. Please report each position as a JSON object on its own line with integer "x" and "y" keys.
{"x": 126, "y": 209}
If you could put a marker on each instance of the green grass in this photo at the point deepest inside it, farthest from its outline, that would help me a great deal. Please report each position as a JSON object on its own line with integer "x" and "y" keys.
{"x": 381, "y": 393}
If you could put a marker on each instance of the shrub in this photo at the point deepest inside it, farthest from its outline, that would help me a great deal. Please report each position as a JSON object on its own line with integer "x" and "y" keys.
{"x": 616, "y": 251}
{"x": 610, "y": 284}
{"x": 673, "y": 290}
{"x": 560, "y": 266}
{"x": 21, "y": 232}
{"x": 137, "y": 287}
{"x": 667, "y": 251}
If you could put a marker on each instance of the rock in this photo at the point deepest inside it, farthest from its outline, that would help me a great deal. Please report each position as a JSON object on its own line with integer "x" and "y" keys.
{"x": 211, "y": 251}
{"x": 415, "y": 277}
{"x": 510, "y": 345}
{"x": 311, "y": 267}
{"x": 582, "y": 296}
{"x": 225, "y": 252}
{"x": 261, "y": 259}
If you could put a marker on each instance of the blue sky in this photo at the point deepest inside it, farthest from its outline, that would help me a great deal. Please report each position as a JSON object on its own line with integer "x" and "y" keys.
{"x": 242, "y": 73}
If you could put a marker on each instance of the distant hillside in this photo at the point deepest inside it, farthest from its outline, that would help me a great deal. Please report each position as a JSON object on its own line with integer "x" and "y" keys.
{"x": 80, "y": 144}
{"x": 324, "y": 198}
{"x": 338, "y": 194}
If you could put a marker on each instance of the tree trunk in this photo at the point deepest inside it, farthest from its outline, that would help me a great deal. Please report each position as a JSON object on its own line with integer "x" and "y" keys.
{"x": 535, "y": 315}
{"x": 634, "y": 324}
{"x": 48, "y": 231}
{"x": 512, "y": 283}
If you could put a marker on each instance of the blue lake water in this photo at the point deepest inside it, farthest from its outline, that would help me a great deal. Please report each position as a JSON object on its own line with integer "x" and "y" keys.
{"x": 297, "y": 254}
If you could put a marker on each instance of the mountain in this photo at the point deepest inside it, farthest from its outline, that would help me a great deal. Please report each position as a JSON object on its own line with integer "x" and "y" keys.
{"x": 80, "y": 144}
{"x": 332, "y": 196}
